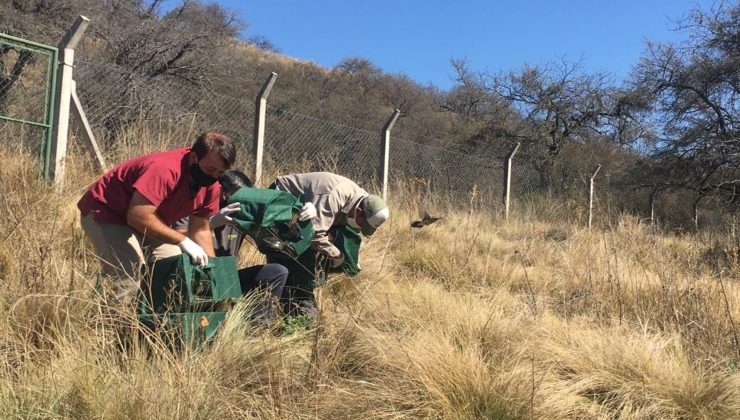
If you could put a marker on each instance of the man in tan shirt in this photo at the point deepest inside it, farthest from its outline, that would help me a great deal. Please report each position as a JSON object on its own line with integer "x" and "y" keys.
{"x": 337, "y": 201}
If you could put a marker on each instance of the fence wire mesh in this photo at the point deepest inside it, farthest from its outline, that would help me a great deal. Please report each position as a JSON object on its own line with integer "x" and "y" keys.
{"x": 123, "y": 106}
{"x": 22, "y": 139}
{"x": 116, "y": 99}
{"x": 448, "y": 175}
{"x": 24, "y": 84}
{"x": 317, "y": 145}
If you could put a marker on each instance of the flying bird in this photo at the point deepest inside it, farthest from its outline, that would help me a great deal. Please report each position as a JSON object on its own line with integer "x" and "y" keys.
{"x": 426, "y": 219}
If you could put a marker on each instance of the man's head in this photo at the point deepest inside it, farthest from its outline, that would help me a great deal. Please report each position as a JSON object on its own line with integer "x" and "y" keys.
{"x": 211, "y": 155}
{"x": 369, "y": 214}
{"x": 231, "y": 182}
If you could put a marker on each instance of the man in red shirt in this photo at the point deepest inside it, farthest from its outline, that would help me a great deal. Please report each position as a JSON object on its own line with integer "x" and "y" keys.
{"x": 127, "y": 213}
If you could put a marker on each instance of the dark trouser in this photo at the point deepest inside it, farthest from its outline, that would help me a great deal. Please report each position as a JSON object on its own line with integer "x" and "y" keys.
{"x": 298, "y": 291}
{"x": 268, "y": 280}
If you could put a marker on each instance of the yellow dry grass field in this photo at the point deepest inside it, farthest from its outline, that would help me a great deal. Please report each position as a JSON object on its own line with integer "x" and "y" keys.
{"x": 472, "y": 317}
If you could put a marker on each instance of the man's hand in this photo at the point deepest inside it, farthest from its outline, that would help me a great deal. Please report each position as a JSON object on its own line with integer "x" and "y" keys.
{"x": 222, "y": 217}
{"x": 197, "y": 254}
{"x": 337, "y": 261}
{"x": 308, "y": 212}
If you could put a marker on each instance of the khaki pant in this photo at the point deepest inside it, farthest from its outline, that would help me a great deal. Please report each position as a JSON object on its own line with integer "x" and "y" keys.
{"x": 122, "y": 254}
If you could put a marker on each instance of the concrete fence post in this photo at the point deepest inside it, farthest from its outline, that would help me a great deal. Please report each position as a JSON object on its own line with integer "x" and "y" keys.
{"x": 507, "y": 179}
{"x": 386, "y": 144}
{"x": 591, "y": 196}
{"x": 695, "y": 209}
{"x": 64, "y": 86}
{"x": 653, "y": 195}
{"x": 259, "y": 126}
{"x": 87, "y": 133}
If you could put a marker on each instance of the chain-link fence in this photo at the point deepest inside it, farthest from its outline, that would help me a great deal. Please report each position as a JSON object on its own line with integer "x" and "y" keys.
{"x": 310, "y": 144}
{"x": 124, "y": 107}
{"x": 121, "y": 105}
{"x": 450, "y": 176}
{"x": 316, "y": 145}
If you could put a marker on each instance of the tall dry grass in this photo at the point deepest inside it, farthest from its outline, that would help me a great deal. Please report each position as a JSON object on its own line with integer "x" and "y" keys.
{"x": 473, "y": 317}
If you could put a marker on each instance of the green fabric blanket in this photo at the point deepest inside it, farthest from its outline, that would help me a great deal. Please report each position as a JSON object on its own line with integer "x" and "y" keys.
{"x": 270, "y": 218}
{"x": 267, "y": 214}
{"x": 348, "y": 239}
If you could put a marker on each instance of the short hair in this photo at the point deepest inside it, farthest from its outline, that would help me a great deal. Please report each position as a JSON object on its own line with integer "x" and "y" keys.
{"x": 217, "y": 142}
{"x": 233, "y": 180}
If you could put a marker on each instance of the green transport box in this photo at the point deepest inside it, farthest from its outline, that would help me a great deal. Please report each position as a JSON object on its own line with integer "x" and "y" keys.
{"x": 183, "y": 301}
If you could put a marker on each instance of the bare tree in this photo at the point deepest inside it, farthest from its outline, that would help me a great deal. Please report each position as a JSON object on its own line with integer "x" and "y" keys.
{"x": 694, "y": 89}
{"x": 552, "y": 104}
{"x": 180, "y": 43}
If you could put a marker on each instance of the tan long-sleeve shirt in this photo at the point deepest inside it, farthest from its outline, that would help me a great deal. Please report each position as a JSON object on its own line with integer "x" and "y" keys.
{"x": 333, "y": 195}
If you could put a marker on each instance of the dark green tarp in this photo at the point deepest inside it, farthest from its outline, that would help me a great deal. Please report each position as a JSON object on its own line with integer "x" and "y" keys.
{"x": 304, "y": 273}
{"x": 348, "y": 240}
{"x": 267, "y": 215}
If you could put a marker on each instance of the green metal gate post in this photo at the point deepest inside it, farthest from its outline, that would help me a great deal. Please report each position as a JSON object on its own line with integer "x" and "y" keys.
{"x": 50, "y": 101}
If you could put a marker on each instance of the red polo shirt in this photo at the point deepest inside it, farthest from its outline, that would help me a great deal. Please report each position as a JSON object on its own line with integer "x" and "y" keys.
{"x": 161, "y": 178}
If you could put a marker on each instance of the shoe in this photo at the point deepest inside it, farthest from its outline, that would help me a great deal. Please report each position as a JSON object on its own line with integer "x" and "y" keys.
{"x": 308, "y": 309}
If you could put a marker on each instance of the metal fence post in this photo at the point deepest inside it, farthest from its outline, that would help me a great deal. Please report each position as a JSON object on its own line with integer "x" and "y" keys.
{"x": 386, "y": 150}
{"x": 259, "y": 126}
{"x": 507, "y": 179}
{"x": 591, "y": 196}
{"x": 60, "y": 129}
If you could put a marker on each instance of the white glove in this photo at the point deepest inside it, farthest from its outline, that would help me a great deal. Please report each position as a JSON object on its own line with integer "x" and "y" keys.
{"x": 308, "y": 212}
{"x": 336, "y": 262}
{"x": 197, "y": 254}
{"x": 222, "y": 217}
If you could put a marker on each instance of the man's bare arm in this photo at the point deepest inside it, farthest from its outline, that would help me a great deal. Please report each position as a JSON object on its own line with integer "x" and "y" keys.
{"x": 142, "y": 217}
{"x": 199, "y": 230}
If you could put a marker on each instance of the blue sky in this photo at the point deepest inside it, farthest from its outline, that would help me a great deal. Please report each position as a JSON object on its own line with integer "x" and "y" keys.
{"x": 418, "y": 38}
